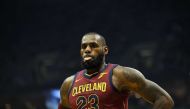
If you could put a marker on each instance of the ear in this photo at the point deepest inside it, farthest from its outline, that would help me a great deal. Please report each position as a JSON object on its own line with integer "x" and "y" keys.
{"x": 106, "y": 50}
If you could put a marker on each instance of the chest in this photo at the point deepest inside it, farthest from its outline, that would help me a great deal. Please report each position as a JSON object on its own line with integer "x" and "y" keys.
{"x": 88, "y": 92}
{"x": 85, "y": 87}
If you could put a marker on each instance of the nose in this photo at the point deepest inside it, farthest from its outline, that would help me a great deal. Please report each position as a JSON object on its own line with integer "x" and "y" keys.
{"x": 88, "y": 49}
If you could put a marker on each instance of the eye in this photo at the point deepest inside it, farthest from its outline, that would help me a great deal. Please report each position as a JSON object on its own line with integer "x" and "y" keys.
{"x": 93, "y": 45}
{"x": 83, "y": 46}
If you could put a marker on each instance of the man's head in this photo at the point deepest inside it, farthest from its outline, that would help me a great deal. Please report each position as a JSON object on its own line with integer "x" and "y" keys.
{"x": 93, "y": 50}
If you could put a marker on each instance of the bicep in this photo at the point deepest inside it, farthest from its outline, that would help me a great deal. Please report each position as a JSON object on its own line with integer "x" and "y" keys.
{"x": 130, "y": 79}
{"x": 152, "y": 91}
{"x": 135, "y": 81}
{"x": 64, "y": 100}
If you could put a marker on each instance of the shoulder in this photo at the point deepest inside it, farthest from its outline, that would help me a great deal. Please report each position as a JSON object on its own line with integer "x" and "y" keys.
{"x": 126, "y": 71}
{"x": 64, "y": 101}
{"x": 69, "y": 79}
{"x": 127, "y": 78}
{"x": 67, "y": 83}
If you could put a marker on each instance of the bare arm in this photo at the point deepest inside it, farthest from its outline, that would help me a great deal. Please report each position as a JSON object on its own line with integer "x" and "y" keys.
{"x": 125, "y": 78}
{"x": 64, "y": 101}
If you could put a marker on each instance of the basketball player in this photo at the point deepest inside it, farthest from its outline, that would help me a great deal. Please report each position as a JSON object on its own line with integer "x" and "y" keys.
{"x": 107, "y": 86}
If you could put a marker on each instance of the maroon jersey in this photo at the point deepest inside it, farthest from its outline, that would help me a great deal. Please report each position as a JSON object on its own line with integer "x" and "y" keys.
{"x": 96, "y": 91}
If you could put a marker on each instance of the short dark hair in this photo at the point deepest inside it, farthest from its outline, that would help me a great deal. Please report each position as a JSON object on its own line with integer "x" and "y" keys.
{"x": 101, "y": 37}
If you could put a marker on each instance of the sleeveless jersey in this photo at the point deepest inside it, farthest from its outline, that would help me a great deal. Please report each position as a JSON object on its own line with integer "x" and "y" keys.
{"x": 96, "y": 92}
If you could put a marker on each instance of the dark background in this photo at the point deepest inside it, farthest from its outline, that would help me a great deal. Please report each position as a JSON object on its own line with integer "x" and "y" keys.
{"x": 40, "y": 43}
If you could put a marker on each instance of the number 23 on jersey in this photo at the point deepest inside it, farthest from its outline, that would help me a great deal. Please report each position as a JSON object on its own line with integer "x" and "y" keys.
{"x": 91, "y": 101}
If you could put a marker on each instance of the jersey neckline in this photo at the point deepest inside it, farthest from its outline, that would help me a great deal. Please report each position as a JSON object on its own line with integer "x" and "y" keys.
{"x": 94, "y": 74}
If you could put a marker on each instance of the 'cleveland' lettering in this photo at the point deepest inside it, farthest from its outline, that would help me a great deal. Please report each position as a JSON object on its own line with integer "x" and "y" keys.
{"x": 100, "y": 86}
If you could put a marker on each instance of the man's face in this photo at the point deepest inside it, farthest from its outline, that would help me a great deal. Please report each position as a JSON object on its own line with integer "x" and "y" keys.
{"x": 92, "y": 51}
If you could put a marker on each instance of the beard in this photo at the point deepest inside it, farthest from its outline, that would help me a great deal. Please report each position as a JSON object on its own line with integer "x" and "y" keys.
{"x": 93, "y": 63}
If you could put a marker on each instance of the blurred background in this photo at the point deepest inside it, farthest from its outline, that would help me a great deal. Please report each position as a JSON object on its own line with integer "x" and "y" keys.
{"x": 40, "y": 43}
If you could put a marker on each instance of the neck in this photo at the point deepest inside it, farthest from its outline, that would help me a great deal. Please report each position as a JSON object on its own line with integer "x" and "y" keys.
{"x": 94, "y": 70}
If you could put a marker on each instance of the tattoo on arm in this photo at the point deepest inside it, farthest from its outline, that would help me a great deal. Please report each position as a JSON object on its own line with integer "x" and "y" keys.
{"x": 133, "y": 80}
